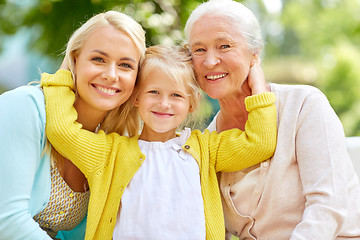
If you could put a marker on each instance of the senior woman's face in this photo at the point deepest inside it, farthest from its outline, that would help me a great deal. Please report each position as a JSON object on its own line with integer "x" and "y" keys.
{"x": 220, "y": 54}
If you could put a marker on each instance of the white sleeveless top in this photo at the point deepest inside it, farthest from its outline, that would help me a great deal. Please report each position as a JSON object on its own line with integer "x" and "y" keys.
{"x": 163, "y": 200}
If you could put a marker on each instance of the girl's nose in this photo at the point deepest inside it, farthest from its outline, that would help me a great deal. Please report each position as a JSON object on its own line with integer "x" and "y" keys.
{"x": 165, "y": 102}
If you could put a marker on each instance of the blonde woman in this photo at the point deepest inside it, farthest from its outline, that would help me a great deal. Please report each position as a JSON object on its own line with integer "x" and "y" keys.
{"x": 43, "y": 194}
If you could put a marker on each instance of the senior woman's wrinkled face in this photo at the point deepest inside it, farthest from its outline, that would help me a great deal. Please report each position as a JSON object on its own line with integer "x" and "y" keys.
{"x": 220, "y": 55}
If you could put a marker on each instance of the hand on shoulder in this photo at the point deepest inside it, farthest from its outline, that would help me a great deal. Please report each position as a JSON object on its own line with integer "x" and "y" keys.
{"x": 256, "y": 79}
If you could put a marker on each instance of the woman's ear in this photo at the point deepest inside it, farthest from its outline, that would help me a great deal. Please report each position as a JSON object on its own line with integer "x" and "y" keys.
{"x": 254, "y": 59}
{"x": 135, "y": 99}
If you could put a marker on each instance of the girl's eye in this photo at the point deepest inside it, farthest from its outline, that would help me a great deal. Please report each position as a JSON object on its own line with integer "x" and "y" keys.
{"x": 126, "y": 65}
{"x": 176, "y": 95}
{"x": 97, "y": 59}
{"x": 153, "y": 92}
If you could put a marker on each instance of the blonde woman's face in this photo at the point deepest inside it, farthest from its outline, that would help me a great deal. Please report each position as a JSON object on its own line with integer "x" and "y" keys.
{"x": 106, "y": 70}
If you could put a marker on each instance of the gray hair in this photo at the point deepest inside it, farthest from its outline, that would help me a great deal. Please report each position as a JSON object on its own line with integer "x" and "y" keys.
{"x": 241, "y": 17}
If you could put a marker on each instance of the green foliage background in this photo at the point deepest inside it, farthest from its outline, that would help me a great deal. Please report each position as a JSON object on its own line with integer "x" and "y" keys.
{"x": 314, "y": 42}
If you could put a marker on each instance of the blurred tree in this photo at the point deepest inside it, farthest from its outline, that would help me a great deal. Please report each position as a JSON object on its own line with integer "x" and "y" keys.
{"x": 326, "y": 34}
{"x": 311, "y": 41}
{"x": 53, "y": 21}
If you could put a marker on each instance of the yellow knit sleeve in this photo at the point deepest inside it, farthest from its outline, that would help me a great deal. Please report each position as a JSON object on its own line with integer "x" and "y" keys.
{"x": 85, "y": 149}
{"x": 233, "y": 150}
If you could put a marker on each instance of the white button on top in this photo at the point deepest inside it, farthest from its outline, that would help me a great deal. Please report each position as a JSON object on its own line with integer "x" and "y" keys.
{"x": 265, "y": 164}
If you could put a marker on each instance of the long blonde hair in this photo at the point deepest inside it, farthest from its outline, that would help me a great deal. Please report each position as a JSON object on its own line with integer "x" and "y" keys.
{"x": 123, "y": 119}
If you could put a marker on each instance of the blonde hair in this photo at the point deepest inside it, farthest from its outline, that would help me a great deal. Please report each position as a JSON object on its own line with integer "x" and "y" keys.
{"x": 123, "y": 119}
{"x": 176, "y": 62}
{"x": 118, "y": 20}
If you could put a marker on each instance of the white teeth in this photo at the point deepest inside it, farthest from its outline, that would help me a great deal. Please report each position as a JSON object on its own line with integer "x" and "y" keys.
{"x": 106, "y": 90}
{"x": 214, "y": 77}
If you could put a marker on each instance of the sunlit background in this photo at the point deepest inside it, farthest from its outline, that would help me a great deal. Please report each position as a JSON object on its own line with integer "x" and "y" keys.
{"x": 315, "y": 42}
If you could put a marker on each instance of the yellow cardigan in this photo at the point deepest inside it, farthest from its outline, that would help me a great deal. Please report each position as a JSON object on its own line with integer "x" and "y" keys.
{"x": 109, "y": 161}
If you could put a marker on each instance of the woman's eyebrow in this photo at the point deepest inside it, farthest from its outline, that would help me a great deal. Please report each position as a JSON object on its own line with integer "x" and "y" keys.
{"x": 107, "y": 55}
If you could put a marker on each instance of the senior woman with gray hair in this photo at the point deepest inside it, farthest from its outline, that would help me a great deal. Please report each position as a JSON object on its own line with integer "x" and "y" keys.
{"x": 308, "y": 189}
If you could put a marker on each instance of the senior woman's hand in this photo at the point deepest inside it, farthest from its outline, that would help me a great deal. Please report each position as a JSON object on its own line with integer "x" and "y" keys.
{"x": 256, "y": 79}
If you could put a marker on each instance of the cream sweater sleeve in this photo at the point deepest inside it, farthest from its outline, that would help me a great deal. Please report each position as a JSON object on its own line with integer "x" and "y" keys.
{"x": 87, "y": 150}
{"x": 234, "y": 149}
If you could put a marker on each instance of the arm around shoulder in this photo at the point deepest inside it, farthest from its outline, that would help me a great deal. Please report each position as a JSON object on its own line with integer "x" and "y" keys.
{"x": 86, "y": 149}
{"x": 242, "y": 149}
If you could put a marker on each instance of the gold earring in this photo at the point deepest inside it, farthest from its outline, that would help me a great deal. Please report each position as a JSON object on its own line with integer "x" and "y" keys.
{"x": 252, "y": 63}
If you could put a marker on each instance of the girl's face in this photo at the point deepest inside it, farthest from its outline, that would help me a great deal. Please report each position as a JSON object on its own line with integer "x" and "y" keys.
{"x": 162, "y": 105}
{"x": 106, "y": 70}
{"x": 220, "y": 55}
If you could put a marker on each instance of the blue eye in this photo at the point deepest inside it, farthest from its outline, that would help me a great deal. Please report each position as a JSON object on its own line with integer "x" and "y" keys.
{"x": 126, "y": 65}
{"x": 199, "y": 50}
{"x": 154, "y": 92}
{"x": 98, "y": 59}
{"x": 225, "y": 46}
{"x": 176, "y": 95}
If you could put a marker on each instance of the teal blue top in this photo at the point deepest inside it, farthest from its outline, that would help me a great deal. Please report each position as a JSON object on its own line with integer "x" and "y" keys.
{"x": 25, "y": 178}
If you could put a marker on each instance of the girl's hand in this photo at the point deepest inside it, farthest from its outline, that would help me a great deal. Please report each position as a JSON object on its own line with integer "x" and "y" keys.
{"x": 256, "y": 79}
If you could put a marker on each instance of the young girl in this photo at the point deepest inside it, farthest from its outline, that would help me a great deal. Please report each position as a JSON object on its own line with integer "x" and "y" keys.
{"x": 163, "y": 185}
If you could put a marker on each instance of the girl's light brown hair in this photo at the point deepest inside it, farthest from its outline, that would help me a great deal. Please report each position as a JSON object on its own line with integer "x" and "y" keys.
{"x": 176, "y": 62}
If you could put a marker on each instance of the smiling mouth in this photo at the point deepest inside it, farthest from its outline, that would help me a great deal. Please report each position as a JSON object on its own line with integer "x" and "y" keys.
{"x": 160, "y": 114}
{"x": 216, "y": 77}
{"x": 110, "y": 91}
